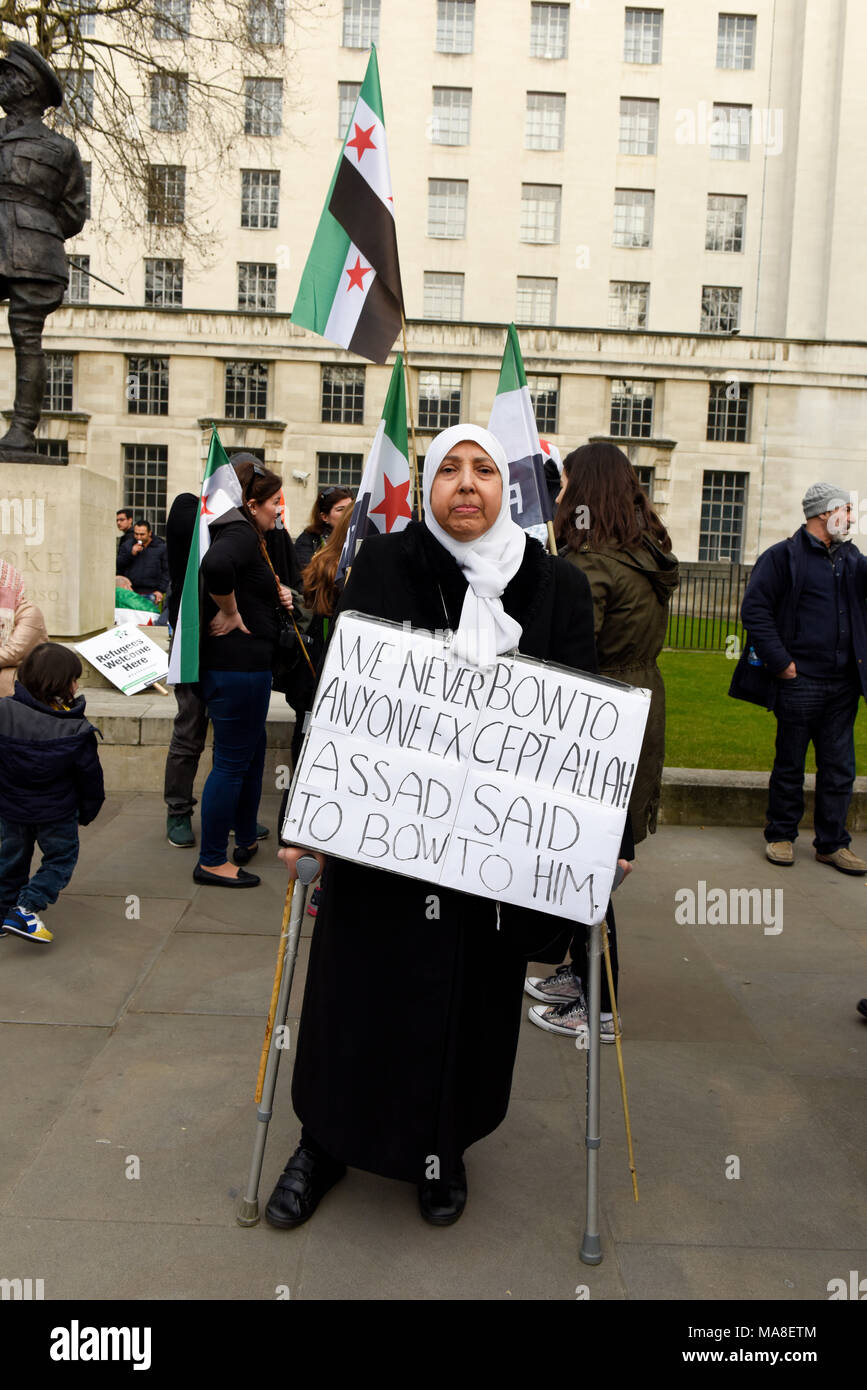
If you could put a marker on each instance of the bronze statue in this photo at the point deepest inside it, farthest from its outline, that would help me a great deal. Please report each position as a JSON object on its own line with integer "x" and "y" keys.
{"x": 42, "y": 201}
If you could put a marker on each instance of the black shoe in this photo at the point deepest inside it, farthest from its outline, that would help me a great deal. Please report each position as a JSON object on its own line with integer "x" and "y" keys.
{"x": 242, "y": 855}
{"x": 262, "y": 831}
{"x": 442, "y": 1203}
{"x": 862, "y": 1007}
{"x": 300, "y": 1188}
{"x": 244, "y": 880}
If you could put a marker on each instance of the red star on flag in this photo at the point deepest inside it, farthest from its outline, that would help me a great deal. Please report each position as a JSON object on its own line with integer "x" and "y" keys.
{"x": 394, "y": 503}
{"x": 357, "y": 273}
{"x": 362, "y": 141}
{"x": 206, "y": 511}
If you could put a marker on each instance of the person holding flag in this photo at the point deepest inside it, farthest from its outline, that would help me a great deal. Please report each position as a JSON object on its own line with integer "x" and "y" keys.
{"x": 240, "y": 629}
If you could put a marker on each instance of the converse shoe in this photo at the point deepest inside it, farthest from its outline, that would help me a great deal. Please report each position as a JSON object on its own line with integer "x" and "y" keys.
{"x": 569, "y": 1018}
{"x": 22, "y": 922}
{"x": 563, "y": 984}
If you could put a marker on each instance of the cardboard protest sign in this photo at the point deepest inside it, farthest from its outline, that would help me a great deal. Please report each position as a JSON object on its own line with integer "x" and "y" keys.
{"x": 128, "y": 658}
{"x": 511, "y": 781}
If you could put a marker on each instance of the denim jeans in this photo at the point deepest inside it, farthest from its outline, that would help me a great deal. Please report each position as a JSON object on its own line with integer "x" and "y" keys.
{"x": 58, "y": 841}
{"x": 188, "y": 742}
{"x": 237, "y": 704}
{"x": 820, "y": 710}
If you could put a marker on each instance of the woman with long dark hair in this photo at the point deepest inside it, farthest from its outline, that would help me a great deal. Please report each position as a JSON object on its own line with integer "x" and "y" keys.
{"x": 328, "y": 508}
{"x": 606, "y": 527}
{"x": 240, "y": 627}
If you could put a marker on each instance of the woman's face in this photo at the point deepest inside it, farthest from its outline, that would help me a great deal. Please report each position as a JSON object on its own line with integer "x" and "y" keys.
{"x": 332, "y": 517}
{"x": 265, "y": 514}
{"x": 467, "y": 492}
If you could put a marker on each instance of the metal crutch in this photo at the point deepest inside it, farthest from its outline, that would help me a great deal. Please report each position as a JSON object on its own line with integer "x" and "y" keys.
{"x": 306, "y": 870}
{"x": 591, "y": 1246}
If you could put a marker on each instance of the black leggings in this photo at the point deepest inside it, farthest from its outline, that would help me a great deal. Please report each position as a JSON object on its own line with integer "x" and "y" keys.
{"x": 578, "y": 955}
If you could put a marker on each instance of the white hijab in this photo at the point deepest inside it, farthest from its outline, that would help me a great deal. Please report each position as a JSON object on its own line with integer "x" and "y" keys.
{"x": 488, "y": 563}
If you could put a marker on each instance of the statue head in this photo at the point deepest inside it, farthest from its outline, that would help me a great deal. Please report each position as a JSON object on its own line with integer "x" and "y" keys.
{"x": 27, "y": 81}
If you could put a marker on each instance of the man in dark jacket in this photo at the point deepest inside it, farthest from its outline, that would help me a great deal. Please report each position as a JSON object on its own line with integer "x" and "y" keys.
{"x": 804, "y": 611}
{"x": 146, "y": 563}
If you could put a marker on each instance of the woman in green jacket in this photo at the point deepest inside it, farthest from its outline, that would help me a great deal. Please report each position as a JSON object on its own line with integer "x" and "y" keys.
{"x": 606, "y": 527}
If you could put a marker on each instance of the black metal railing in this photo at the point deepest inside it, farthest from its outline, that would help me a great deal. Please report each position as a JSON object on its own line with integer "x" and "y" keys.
{"x": 705, "y": 608}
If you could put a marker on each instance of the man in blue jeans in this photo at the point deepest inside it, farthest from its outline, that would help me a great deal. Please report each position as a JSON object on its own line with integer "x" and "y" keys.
{"x": 804, "y": 611}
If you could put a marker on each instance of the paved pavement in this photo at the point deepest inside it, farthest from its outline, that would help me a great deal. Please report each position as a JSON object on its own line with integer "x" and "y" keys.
{"x": 138, "y": 1037}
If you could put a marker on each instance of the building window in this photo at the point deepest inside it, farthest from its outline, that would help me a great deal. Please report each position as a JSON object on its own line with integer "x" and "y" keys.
{"x": 730, "y": 131}
{"x": 455, "y": 26}
{"x": 164, "y": 284}
{"x": 736, "y": 41}
{"x": 360, "y": 23}
{"x": 347, "y": 96}
{"x": 642, "y": 42}
{"x": 246, "y": 390}
{"x": 627, "y": 303}
{"x": 633, "y": 217}
{"x": 545, "y": 395}
{"x": 549, "y": 31}
{"x": 169, "y": 101}
{"x": 639, "y": 125}
{"x": 343, "y": 395}
{"x": 546, "y": 121}
{"x": 263, "y": 105}
{"x": 260, "y": 197}
{"x": 632, "y": 409}
{"x": 171, "y": 19}
{"x": 78, "y": 91}
{"x": 452, "y": 108}
{"x": 646, "y": 475}
{"x": 338, "y": 470}
{"x": 439, "y": 400}
{"x": 726, "y": 216}
{"x": 265, "y": 19}
{"x": 147, "y": 385}
{"x": 88, "y": 184}
{"x": 58, "y": 381}
{"x": 144, "y": 480}
{"x": 728, "y": 412}
{"x": 720, "y": 309}
{"x": 540, "y": 212}
{"x": 447, "y": 207}
{"x": 536, "y": 300}
{"x": 257, "y": 286}
{"x": 78, "y": 289}
{"x": 57, "y": 449}
{"x": 87, "y": 17}
{"x": 723, "y": 508}
{"x": 443, "y": 295}
{"x": 167, "y": 184}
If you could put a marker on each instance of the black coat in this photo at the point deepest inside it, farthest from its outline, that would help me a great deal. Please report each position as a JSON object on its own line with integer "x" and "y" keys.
{"x": 410, "y": 1020}
{"x": 147, "y": 572}
{"x": 49, "y": 763}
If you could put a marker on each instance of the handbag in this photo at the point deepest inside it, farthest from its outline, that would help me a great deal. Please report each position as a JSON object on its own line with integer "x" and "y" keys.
{"x": 291, "y": 668}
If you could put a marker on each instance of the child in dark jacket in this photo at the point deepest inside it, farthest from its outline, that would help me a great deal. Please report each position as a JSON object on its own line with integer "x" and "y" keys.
{"x": 50, "y": 783}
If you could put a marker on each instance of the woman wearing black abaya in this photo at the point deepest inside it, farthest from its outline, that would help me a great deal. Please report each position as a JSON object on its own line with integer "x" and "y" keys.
{"x": 403, "y": 1092}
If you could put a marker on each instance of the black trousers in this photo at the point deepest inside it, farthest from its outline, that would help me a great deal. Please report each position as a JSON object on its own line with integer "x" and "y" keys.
{"x": 185, "y": 750}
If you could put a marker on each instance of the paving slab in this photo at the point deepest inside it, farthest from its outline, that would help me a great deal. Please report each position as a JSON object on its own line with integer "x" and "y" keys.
{"x": 92, "y": 967}
{"x": 746, "y": 1273}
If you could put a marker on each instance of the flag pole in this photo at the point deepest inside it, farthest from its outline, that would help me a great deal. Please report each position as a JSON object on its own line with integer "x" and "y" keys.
{"x": 411, "y": 415}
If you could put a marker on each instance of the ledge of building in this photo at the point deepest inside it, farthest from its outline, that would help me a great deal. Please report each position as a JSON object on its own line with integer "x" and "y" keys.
{"x": 704, "y": 796}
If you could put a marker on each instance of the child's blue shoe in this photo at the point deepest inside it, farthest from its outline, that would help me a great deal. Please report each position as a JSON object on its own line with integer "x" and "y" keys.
{"x": 22, "y": 922}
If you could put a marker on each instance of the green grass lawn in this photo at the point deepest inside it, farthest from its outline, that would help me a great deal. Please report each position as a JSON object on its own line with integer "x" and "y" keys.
{"x": 704, "y": 727}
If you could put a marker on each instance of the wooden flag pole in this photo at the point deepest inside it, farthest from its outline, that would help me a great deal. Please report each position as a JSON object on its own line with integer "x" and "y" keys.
{"x": 616, "y": 1016}
{"x": 406, "y": 376}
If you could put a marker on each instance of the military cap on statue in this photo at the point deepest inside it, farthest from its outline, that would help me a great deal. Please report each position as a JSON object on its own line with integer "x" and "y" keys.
{"x": 27, "y": 60}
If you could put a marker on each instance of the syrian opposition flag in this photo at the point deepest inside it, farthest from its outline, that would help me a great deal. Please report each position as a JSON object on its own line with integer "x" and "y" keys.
{"x": 513, "y": 421}
{"x": 382, "y": 503}
{"x": 220, "y": 491}
{"x": 350, "y": 289}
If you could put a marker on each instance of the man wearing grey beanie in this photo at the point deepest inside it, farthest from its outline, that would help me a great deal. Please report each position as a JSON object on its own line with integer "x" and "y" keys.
{"x": 805, "y": 615}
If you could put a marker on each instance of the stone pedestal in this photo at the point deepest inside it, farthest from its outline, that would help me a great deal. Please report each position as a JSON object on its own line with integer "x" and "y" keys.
{"x": 57, "y": 526}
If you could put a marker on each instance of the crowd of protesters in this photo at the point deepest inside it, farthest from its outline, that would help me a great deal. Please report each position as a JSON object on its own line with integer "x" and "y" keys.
{"x": 400, "y": 1087}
